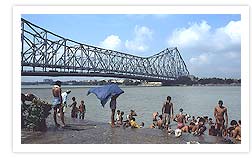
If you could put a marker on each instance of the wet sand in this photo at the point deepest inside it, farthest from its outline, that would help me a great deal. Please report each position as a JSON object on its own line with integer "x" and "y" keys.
{"x": 90, "y": 132}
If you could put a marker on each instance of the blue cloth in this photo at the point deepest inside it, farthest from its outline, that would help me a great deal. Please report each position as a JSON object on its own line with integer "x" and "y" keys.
{"x": 56, "y": 101}
{"x": 106, "y": 92}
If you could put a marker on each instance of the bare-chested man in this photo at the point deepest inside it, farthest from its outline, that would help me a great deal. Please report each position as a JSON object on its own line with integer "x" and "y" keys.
{"x": 154, "y": 118}
{"x": 181, "y": 121}
{"x": 167, "y": 111}
{"x": 57, "y": 102}
{"x": 219, "y": 112}
{"x": 236, "y": 132}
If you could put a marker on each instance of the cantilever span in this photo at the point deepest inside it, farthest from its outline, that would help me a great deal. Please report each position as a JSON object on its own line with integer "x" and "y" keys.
{"x": 44, "y": 53}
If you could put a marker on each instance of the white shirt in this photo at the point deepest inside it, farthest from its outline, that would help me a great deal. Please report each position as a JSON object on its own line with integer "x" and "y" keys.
{"x": 117, "y": 117}
{"x": 64, "y": 97}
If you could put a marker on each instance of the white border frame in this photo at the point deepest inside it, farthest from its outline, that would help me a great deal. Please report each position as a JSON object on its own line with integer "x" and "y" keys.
{"x": 242, "y": 10}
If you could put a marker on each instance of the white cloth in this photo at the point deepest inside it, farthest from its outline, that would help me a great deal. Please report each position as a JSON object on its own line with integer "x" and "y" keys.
{"x": 178, "y": 132}
{"x": 127, "y": 117}
{"x": 64, "y": 98}
{"x": 117, "y": 117}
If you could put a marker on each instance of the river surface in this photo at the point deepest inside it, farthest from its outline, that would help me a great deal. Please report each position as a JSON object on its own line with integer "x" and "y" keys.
{"x": 196, "y": 100}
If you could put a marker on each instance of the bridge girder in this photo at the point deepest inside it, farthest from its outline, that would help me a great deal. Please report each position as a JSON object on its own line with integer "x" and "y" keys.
{"x": 49, "y": 54}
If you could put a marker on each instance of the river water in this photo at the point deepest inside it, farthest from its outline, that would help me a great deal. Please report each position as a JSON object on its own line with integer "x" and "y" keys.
{"x": 195, "y": 100}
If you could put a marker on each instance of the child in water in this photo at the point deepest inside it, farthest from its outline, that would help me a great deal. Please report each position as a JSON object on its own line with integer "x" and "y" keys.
{"x": 121, "y": 118}
{"x": 118, "y": 115}
{"x": 74, "y": 108}
{"x": 82, "y": 110}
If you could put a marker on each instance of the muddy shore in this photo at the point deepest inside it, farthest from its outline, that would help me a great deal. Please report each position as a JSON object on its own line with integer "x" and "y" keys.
{"x": 90, "y": 132}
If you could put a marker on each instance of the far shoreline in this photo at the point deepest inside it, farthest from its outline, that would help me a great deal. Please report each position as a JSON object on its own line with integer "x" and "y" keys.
{"x": 28, "y": 86}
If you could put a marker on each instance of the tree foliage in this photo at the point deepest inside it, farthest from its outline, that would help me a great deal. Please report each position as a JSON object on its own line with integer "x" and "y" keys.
{"x": 33, "y": 115}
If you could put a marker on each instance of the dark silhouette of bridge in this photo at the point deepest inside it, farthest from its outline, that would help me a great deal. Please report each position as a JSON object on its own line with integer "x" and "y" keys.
{"x": 44, "y": 53}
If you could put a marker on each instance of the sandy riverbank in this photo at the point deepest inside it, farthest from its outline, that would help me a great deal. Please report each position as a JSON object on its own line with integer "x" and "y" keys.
{"x": 90, "y": 132}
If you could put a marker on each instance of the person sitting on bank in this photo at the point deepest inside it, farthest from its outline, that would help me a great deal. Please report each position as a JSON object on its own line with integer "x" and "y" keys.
{"x": 236, "y": 133}
{"x": 129, "y": 118}
{"x": 181, "y": 121}
{"x": 131, "y": 115}
{"x": 152, "y": 125}
{"x": 142, "y": 125}
{"x": 187, "y": 118}
{"x": 212, "y": 131}
{"x": 210, "y": 121}
{"x": 154, "y": 118}
{"x": 120, "y": 122}
{"x": 206, "y": 119}
{"x": 118, "y": 114}
{"x": 197, "y": 120}
{"x": 200, "y": 127}
{"x": 133, "y": 123}
{"x": 193, "y": 119}
{"x": 227, "y": 133}
{"x": 191, "y": 127}
{"x": 160, "y": 122}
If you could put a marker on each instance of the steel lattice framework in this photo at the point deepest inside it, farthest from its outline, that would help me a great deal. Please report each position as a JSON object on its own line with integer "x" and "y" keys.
{"x": 45, "y": 53}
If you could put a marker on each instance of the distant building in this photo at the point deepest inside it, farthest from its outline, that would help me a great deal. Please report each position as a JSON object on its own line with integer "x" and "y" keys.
{"x": 152, "y": 84}
{"x": 117, "y": 81}
{"x": 48, "y": 80}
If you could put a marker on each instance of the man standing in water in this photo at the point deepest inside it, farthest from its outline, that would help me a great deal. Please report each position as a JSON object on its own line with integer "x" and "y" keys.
{"x": 113, "y": 108}
{"x": 167, "y": 112}
{"x": 219, "y": 112}
{"x": 57, "y": 102}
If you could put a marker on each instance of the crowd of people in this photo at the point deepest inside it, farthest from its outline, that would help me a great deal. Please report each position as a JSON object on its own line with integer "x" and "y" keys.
{"x": 185, "y": 123}
{"x": 199, "y": 125}
{"x": 130, "y": 120}
{"x": 59, "y": 104}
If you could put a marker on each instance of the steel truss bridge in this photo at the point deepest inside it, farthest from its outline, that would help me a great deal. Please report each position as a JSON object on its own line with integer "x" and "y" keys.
{"x": 44, "y": 53}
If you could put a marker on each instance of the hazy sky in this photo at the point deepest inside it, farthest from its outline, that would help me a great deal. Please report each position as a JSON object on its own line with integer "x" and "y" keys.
{"x": 210, "y": 44}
